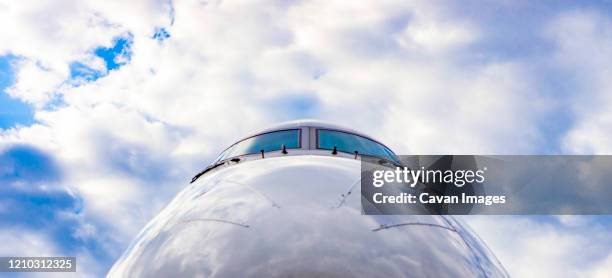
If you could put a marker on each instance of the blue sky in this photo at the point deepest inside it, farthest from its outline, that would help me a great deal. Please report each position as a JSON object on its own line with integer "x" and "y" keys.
{"x": 13, "y": 111}
{"x": 113, "y": 57}
{"x": 133, "y": 98}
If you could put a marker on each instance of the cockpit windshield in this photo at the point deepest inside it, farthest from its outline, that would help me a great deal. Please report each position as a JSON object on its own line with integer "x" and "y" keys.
{"x": 271, "y": 141}
{"x": 351, "y": 143}
{"x": 325, "y": 139}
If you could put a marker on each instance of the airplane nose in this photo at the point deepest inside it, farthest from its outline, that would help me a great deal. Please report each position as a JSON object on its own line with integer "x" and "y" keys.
{"x": 284, "y": 217}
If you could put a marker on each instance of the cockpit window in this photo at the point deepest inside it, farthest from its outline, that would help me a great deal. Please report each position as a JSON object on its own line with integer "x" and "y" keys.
{"x": 272, "y": 141}
{"x": 349, "y": 143}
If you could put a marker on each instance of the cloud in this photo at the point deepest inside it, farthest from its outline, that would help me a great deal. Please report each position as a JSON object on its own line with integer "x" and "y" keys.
{"x": 48, "y": 37}
{"x": 437, "y": 36}
{"x": 602, "y": 269}
{"x": 41, "y": 216}
{"x": 132, "y": 98}
{"x": 581, "y": 38}
{"x": 35, "y": 83}
{"x": 18, "y": 243}
{"x": 543, "y": 246}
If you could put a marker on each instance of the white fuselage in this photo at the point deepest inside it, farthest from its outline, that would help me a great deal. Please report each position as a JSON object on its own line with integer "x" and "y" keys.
{"x": 296, "y": 215}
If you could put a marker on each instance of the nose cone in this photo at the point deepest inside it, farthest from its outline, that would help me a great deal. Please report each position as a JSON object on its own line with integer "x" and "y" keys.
{"x": 295, "y": 216}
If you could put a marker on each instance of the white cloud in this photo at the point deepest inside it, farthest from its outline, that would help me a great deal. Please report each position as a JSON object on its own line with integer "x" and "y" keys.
{"x": 35, "y": 83}
{"x": 131, "y": 139}
{"x": 15, "y": 242}
{"x": 18, "y": 242}
{"x": 531, "y": 247}
{"x": 603, "y": 269}
{"x": 51, "y": 35}
{"x": 582, "y": 39}
{"x": 437, "y": 36}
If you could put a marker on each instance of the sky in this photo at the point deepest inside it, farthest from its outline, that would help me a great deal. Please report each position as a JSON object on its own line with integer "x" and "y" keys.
{"x": 107, "y": 108}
